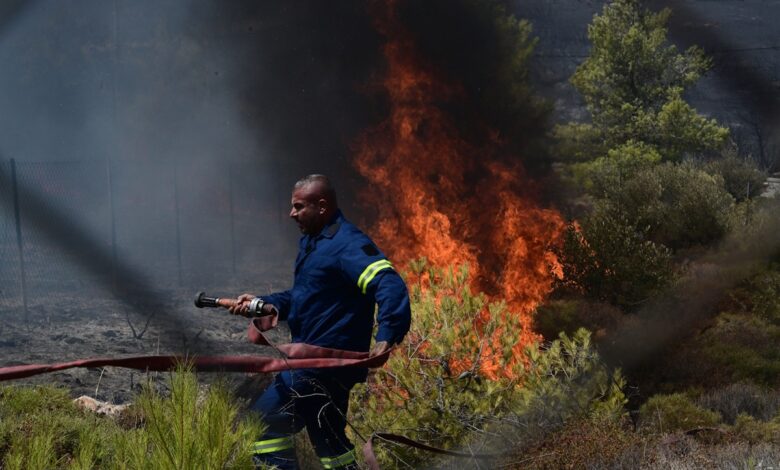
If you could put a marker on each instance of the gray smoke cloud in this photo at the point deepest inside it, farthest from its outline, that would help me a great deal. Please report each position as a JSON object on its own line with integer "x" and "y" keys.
{"x": 692, "y": 301}
{"x": 155, "y": 144}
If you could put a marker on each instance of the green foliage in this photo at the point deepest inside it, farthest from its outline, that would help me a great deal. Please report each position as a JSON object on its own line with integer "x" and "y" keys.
{"x": 187, "y": 430}
{"x": 632, "y": 83}
{"x": 460, "y": 378}
{"x": 742, "y": 348}
{"x": 40, "y": 428}
{"x": 610, "y": 259}
{"x": 742, "y": 178}
{"x": 621, "y": 252}
{"x": 741, "y": 342}
{"x": 754, "y": 431}
{"x": 569, "y": 315}
{"x": 760, "y": 295}
{"x": 675, "y": 412}
{"x": 737, "y": 345}
{"x": 567, "y": 379}
{"x": 680, "y": 205}
{"x": 601, "y": 176}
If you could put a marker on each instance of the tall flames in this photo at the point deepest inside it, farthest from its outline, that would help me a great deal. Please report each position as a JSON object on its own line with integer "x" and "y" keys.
{"x": 439, "y": 196}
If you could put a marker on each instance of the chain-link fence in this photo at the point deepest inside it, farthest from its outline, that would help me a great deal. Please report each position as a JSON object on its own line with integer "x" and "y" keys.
{"x": 72, "y": 226}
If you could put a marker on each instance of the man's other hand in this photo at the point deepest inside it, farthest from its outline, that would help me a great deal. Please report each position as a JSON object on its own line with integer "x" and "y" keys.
{"x": 380, "y": 348}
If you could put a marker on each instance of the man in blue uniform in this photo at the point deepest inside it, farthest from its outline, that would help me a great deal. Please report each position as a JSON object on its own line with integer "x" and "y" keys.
{"x": 340, "y": 277}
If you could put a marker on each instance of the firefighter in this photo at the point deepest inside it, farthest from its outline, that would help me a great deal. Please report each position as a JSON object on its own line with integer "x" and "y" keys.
{"x": 340, "y": 277}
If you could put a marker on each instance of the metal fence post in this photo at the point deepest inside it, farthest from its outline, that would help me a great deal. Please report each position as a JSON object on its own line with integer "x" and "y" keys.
{"x": 19, "y": 241}
{"x": 178, "y": 230}
{"x": 232, "y": 221}
{"x": 112, "y": 217}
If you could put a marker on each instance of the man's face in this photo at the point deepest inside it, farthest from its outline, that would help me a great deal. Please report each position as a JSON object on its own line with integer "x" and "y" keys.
{"x": 308, "y": 210}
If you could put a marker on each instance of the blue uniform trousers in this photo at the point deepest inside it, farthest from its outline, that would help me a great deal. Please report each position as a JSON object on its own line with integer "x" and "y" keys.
{"x": 315, "y": 399}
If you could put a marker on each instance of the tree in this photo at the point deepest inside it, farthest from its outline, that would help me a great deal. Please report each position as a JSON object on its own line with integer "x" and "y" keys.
{"x": 437, "y": 387}
{"x": 633, "y": 84}
{"x": 608, "y": 259}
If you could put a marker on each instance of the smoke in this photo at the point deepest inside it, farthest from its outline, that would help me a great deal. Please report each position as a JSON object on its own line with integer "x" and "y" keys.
{"x": 177, "y": 129}
{"x": 693, "y": 300}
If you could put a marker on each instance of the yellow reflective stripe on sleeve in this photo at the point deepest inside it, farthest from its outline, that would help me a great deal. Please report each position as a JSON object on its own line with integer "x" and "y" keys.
{"x": 370, "y": 272}
{"x": 272, "y": 445}
{"x": 335, "y": 462}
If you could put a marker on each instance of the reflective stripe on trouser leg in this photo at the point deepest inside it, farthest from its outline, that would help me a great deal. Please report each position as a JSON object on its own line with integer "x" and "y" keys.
{"x": 339, "y": 461}
{"x": 272, "y": 445}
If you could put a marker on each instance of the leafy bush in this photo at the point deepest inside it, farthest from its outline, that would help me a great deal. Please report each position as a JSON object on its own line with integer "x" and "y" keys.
{"x": 741, "y": 177}
{"x": 460, "y": 378}
{"x": 737, "y": 345}
{"x": 675, "y": 412}
{"x": 742, "y": 348}
{"x": 609, "y": 259}
{"x": 601, "y": 176}
{"x": 760, "y": 295}
{"x": 679, "y": 204}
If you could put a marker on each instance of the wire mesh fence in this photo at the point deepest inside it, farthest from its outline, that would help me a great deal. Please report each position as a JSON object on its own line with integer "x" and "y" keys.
{"x": 171, "y": 226}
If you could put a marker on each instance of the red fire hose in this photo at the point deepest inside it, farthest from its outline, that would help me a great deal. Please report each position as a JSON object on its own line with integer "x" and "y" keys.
{"x": 296, "y": 356}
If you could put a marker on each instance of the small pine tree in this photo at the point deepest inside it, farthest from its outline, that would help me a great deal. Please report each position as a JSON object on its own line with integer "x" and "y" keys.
{"x": 438, "y": 387}
{"x": 633, "y": 84}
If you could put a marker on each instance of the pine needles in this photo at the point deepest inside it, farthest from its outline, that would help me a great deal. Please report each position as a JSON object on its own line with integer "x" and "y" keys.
{"x": 40, "y": 428}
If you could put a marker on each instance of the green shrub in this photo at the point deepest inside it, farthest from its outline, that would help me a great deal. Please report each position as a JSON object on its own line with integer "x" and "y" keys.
{"x": 737, "y": 345}
{"x": 680, "y": 205}
{"x": 569, "y": 315}
{"x": 760, "y": 295}
{"x": 610, "y": 259}
{"x": 742, "y": 347}
{"x": 188, "y": 430}
{"x": 601, "y": 176}
{"x": 754, "y": 431}
{"x": 675, "y": 412}
{"x": 41, "y": 428}
{"x": 460, "y": 378}
{"x": 741, "y": 177}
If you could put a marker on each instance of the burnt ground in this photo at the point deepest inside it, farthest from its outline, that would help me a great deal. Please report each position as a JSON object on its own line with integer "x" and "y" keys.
{"x": 86, "y": 323}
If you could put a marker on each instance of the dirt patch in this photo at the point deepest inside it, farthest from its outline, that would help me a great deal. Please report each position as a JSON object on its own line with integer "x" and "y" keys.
{"x": 70, "y": 325}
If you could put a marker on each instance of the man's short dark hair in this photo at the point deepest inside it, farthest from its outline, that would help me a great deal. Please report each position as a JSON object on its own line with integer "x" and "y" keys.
{"x": 328, "y": 191}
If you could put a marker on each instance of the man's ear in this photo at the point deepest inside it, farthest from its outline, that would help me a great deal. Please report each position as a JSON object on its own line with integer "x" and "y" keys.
{"x": 322, "y": 206}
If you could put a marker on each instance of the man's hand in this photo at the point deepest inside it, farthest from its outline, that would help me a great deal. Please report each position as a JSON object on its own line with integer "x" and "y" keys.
{"x": 269, "y": 317}
{"x": 241, "y": 307}
{"x": 380, "y": 348}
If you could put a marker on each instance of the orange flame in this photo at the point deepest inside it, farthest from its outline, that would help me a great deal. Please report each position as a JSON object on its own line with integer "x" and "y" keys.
{"x": 439, "y": 196}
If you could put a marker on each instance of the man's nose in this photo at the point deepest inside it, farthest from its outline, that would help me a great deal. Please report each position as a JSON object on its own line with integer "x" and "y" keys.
{"x": 293, "y": 213}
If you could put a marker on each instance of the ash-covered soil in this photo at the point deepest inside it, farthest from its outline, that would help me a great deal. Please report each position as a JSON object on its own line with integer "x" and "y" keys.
{"x": 77, "y": 324}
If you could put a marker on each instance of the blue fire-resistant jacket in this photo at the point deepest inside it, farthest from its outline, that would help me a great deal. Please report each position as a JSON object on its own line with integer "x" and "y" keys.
{"x": 340, "y": 275}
